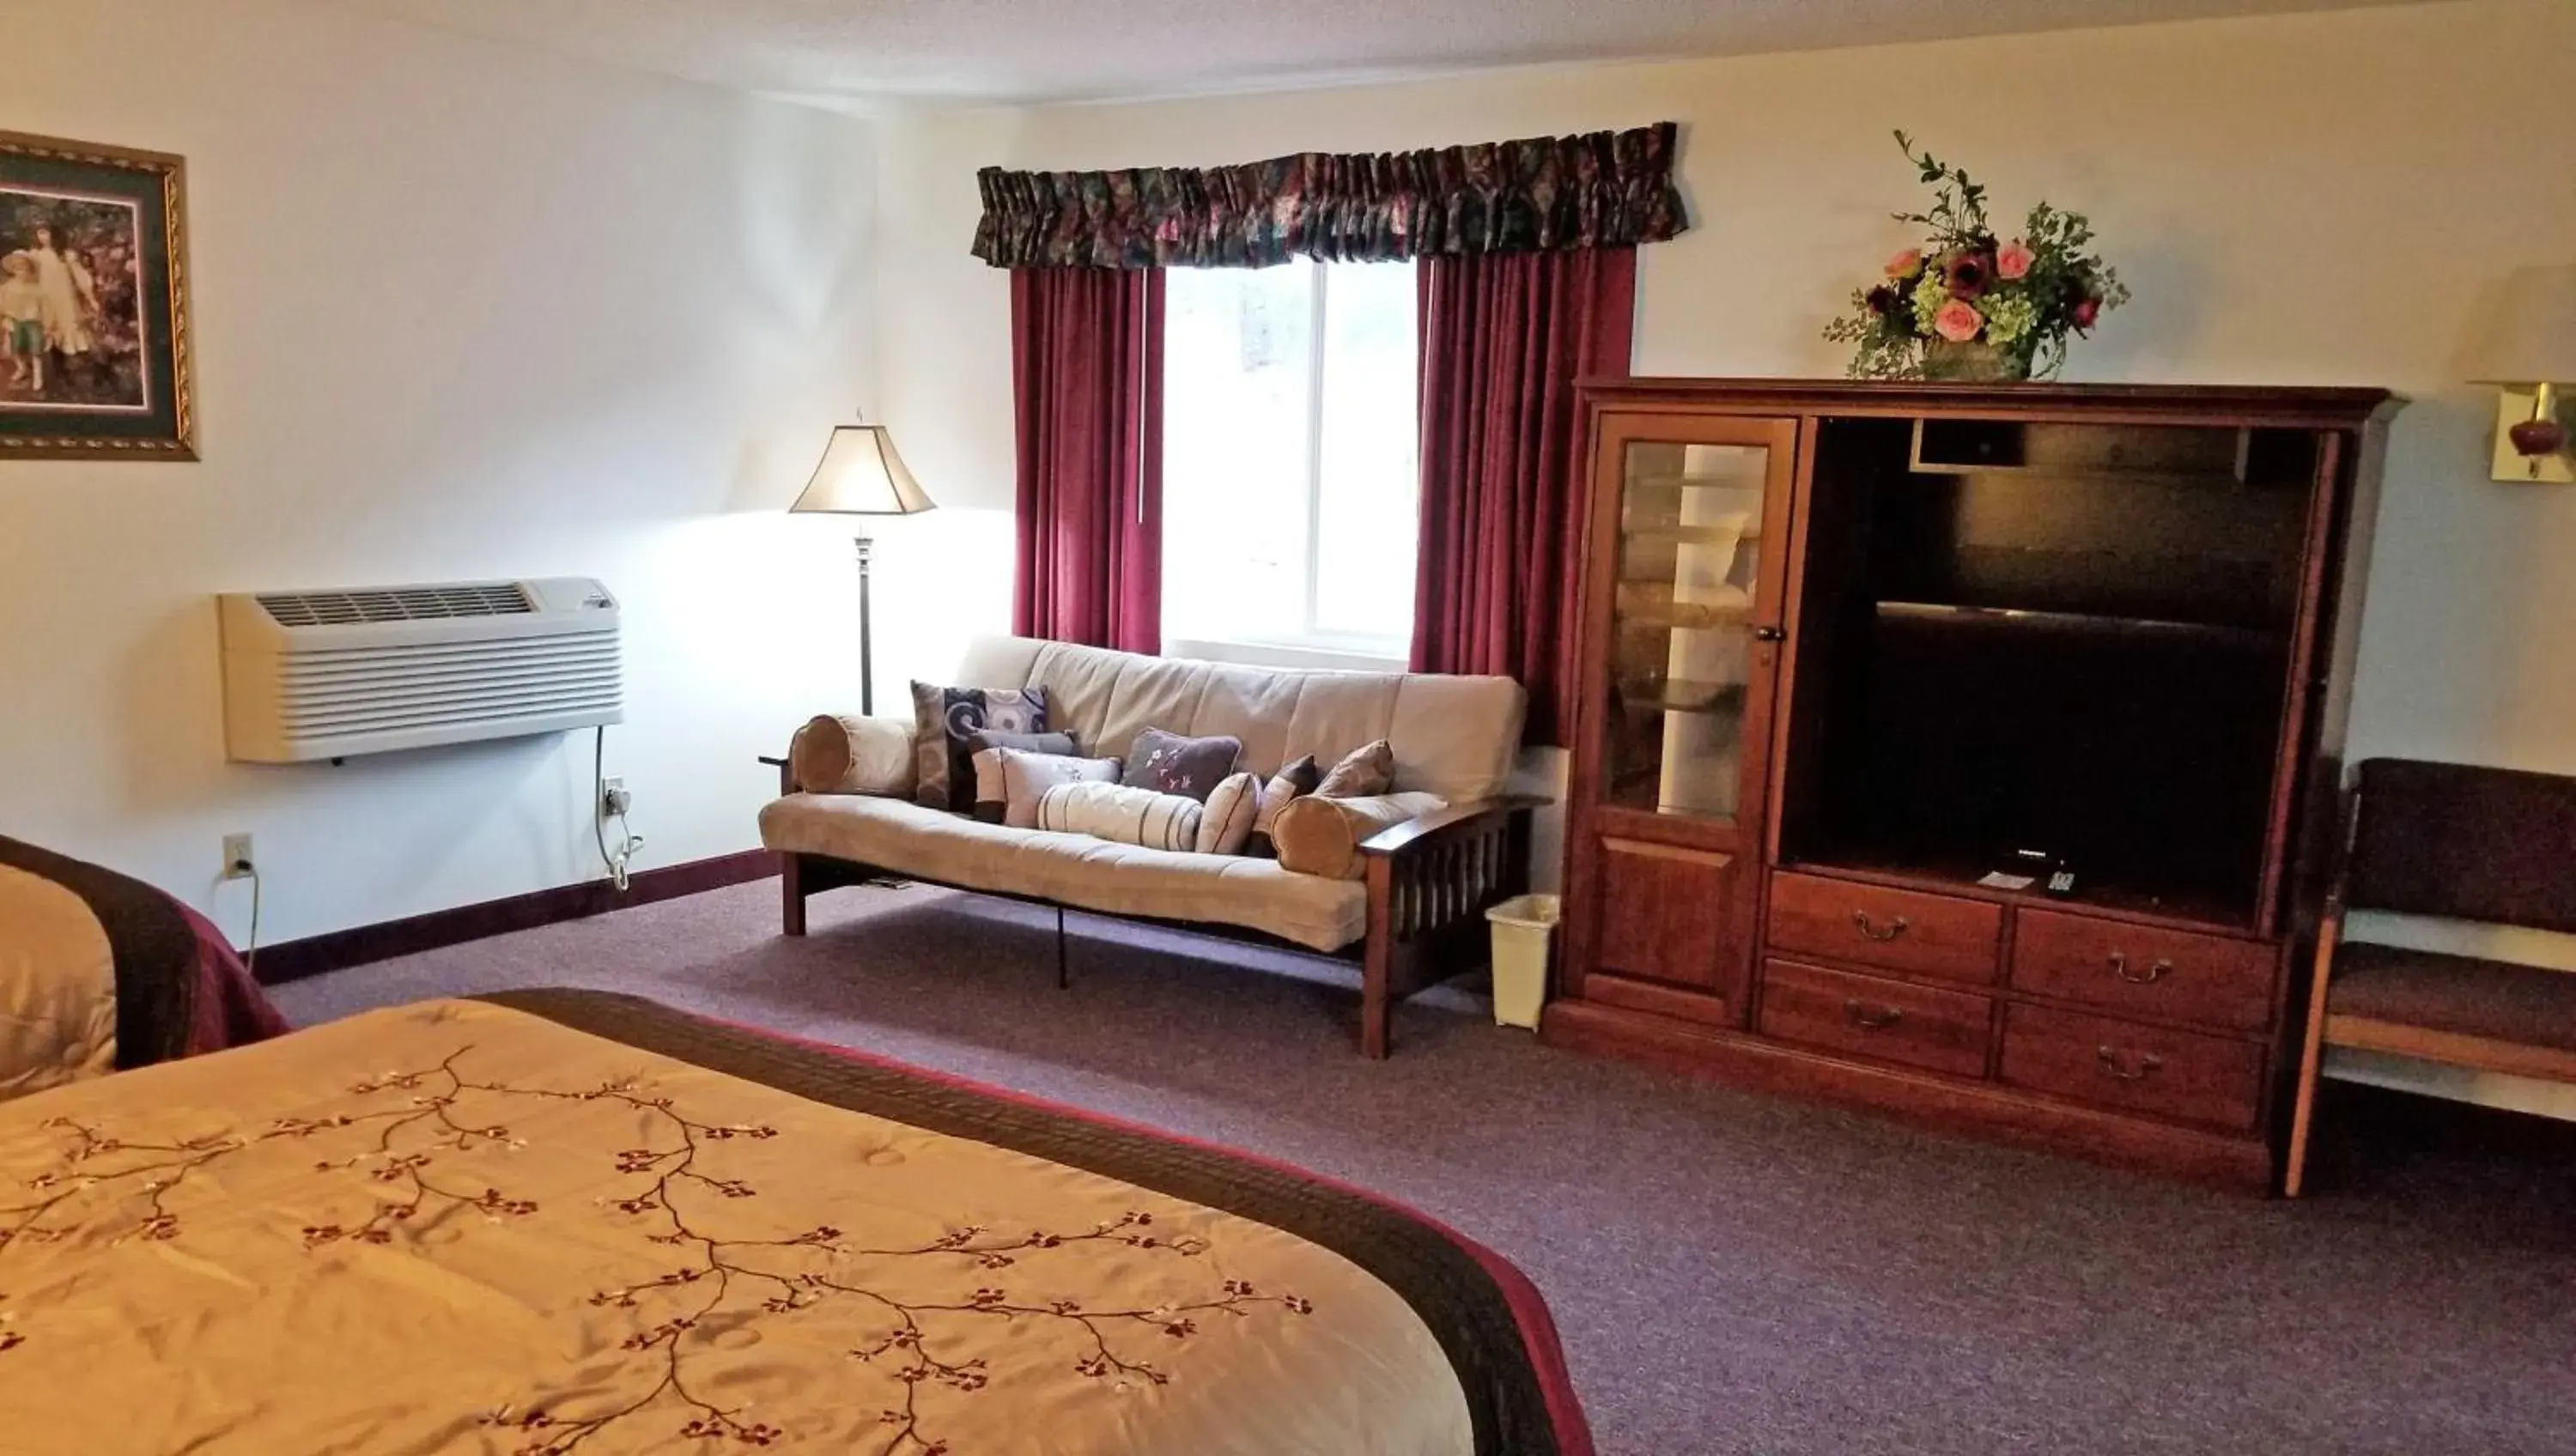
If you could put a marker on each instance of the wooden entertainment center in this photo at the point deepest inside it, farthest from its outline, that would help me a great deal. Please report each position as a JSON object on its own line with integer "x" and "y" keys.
{"x": 1870, "y": 666}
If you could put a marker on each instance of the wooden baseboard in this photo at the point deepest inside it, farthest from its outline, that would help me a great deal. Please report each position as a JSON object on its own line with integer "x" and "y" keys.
{"x": 360, "y": 944}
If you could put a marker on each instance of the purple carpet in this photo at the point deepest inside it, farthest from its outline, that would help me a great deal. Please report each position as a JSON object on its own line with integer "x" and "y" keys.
{"x": 1731, "y": 1273}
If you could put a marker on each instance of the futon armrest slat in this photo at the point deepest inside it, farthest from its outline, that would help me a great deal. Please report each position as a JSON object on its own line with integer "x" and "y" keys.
{"x": 1414, "y": 835}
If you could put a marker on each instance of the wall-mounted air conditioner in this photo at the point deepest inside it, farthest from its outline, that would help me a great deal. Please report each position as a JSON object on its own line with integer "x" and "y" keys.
{"x": 331, "y": 674}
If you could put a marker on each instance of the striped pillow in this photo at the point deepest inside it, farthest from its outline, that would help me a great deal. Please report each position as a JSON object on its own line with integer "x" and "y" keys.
{"x": 1125, "y": 815}
{"x": 1231, "y": 810}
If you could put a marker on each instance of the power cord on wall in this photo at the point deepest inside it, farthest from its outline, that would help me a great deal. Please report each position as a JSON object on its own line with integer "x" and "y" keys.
{"x": 250, "y": 954}
{"x": 603, "y": 803}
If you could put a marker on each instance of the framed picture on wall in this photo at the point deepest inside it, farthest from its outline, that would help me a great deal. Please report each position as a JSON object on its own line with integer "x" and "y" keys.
{"x": 93, "y": 303}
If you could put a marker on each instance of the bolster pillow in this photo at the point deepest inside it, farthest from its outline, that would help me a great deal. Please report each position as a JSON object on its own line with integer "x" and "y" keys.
{"x": 834, "y": 754}
{"x": 1320, "y": 836}
{"x": 1126, "y": 815}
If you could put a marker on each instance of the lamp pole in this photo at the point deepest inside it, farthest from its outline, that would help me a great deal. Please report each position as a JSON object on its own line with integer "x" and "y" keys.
{"x": 867, "y": 638}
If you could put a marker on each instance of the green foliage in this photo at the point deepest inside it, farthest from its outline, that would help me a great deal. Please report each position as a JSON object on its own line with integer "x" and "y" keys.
{"x": 1958, "y": 204}
{"x": 2061, "y": 285}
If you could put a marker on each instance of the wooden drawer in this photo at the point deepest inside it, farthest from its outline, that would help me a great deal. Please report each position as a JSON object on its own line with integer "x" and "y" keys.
{"x": 1867, "y": 1016}
{"x": 2145, "y": 971}
{"x": 2181, "y": 1075}
{"x": 1901, "y": 930}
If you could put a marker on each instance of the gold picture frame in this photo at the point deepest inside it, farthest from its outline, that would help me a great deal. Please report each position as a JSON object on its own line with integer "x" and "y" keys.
{"x": 96, "y": 357}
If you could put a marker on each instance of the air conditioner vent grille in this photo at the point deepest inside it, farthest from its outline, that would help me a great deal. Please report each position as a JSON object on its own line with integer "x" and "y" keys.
{"x": 377, "y": 669}
{"x": 397, "y": 604}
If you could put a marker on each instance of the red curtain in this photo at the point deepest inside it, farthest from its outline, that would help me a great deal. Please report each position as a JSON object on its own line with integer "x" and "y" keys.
{"x": 1087, "y": 374}
{"x": 1503, "y": 337}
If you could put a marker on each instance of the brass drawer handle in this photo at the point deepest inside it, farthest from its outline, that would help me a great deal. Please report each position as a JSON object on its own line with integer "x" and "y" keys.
{"x": 2154, "y": 972}
{"x": 1895, "y": 926}
{"x": 2148, "y": 1064}
{"x": 1871, "y": 1018}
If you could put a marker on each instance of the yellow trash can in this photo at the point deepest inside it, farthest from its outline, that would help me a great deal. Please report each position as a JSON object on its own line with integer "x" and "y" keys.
{"x": 1522, "y": 926}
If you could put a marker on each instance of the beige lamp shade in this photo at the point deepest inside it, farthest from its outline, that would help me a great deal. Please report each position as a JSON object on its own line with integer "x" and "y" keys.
{"x": 861, "y": 475}
{"x": 2530, "y": 337}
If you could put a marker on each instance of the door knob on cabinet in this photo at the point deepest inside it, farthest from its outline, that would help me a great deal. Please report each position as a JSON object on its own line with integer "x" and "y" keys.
{"x": 2146, "y": 1065}
{"x": 1896, "y": 926}
{"x": 2154, "y": 972}
{"x": 1870, "y": 1018}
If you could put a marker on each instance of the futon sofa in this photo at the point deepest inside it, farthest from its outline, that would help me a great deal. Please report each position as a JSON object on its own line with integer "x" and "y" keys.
{"x": 1412, "y": 916}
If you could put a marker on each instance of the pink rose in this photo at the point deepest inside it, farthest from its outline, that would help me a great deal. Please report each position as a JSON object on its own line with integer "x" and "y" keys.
{"x": 1958, "y": 321}
{"x": 2013, "y": 259}
{"x": 2087, "y": 309}
{"x": 1905, "y": 264}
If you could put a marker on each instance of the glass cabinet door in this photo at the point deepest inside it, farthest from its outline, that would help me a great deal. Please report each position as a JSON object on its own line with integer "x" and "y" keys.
{"x": 1681, "y": 637}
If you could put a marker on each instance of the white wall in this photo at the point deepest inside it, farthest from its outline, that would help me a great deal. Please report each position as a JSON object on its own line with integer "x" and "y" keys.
{"x": 470, "y": 310}
{"x": 462, "y": 310}
{"x": 2309, "y": 199}
{"x": 2312, "y": 199}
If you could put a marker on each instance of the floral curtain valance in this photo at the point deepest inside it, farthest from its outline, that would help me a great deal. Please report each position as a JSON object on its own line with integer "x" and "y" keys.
{"x": 1544, "y": 194}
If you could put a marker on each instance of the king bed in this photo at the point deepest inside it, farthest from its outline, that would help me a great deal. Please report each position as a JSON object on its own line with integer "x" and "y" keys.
{"x": 548, "y": 1221}
{"x": 100, "y": 973}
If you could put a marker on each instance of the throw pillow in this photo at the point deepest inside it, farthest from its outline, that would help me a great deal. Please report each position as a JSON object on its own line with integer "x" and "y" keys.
{"x": 1168, "y": 763}
{"x": 943, "y": 719}
{"x": 1231, "y": 810}
{"x": 1321, "y": 836}
{"x": 1293, "y": 781}
{"x": 1366, "y": 771}
{"x": 832, "y": 754}
{"x": 981, "y": 751}
{"x": 1126, "y": 815}
{"x": 1027, "y": 776}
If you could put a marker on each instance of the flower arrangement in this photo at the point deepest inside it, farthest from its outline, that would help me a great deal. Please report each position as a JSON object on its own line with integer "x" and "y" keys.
{"x": 1968, "y": 305}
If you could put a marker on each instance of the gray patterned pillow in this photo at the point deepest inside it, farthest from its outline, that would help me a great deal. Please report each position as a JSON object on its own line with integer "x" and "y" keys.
{"x": 1167, "y": 763}
{"x": 990, "y": 797}
{"x": 945, "y": 718}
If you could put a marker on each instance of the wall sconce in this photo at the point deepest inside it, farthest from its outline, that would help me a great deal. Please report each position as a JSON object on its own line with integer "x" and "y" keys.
{"x": 2528, "y": 351}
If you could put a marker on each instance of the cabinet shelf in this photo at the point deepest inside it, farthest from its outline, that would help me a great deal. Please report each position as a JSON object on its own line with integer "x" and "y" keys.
{"x": 1635, "y": 483}
{"x": 2245, "y": 639}
{"x": 1648, "y": 602}
{"x": 1704, "y": 535}
{"x": 1680, "y": 695}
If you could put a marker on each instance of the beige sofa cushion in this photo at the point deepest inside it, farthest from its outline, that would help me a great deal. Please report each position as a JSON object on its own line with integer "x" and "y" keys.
{"x": 902, "y": 837}
{"x": 1456, "y": 737}
{"x": 1321, "y": 836}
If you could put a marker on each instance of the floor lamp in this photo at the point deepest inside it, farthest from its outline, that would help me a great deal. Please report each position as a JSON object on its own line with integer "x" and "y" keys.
{"x": 861, "y": 475}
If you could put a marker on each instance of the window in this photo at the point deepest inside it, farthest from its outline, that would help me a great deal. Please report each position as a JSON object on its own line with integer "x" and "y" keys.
{"x": 1289, "y": 491}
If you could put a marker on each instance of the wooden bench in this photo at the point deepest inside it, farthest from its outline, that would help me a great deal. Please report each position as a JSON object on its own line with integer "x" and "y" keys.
{"x": 2484, "y": 845}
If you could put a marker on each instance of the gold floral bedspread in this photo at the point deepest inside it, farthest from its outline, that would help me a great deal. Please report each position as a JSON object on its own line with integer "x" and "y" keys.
{"x": 458, "y": 1227}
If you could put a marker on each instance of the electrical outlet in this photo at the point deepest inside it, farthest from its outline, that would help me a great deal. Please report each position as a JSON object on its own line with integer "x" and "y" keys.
{"x": 613, "y": 798}
{"x": 237, "y": 858}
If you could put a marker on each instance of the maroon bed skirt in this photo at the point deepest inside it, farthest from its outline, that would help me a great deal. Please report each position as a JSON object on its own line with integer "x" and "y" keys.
{"x": 228, "y": 1008}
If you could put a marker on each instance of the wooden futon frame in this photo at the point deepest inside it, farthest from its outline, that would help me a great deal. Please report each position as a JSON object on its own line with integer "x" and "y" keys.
{"x": 1430, "y": 881}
